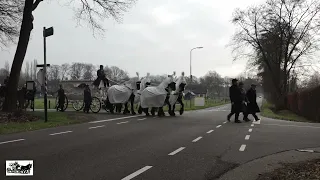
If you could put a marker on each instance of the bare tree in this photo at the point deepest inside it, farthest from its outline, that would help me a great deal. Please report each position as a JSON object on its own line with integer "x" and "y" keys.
{"x": 10, "y": 15}
{"x": 88, "y": 72}
{"x": 89, "y": 11}
{"x": 213, "y": 82}
{"x": 64, "y": 71}
{"x": 34, "y": 69}
{"x": 281, "y": 33}
{"x": 54, "y": 72}
{"x": 7, "y": 67}
{"x": 76, "y": 70}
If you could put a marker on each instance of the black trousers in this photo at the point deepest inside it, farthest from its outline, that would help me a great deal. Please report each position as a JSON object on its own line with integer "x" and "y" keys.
{"x": 254, "y": 115}
{"x": 86, "y": 106}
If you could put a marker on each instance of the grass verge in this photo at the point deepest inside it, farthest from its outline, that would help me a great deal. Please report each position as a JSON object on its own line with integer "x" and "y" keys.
{"x": 55, "y": 119}
{"x": 267, "y": 111}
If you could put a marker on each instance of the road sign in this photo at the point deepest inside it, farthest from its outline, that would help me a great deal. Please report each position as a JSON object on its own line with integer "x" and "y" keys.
{"x": 48, "y": 32}
{"x": 40, "y": 77}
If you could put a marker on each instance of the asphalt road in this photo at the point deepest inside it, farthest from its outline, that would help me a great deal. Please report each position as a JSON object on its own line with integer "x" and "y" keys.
{"x": 198, "y": 145}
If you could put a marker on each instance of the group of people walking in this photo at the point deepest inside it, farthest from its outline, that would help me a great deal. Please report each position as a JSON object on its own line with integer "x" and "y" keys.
{"x": 243, "y": 101}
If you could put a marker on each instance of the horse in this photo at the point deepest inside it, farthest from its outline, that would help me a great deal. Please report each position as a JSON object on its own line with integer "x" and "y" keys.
{"x": 177, "y": 95}
{"x": 157, "y": 97}
{"x": 145, "y": 82}
{"x": 122, "y": 94}
{"x": 26, "y": 169}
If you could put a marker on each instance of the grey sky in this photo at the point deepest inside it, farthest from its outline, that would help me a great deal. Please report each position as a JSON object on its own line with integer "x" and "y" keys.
{"x": 155, "y": 36}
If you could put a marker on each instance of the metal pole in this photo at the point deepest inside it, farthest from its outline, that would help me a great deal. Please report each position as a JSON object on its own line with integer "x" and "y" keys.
{"x": 190, "y": 75}
{"x": 45, "y": 76}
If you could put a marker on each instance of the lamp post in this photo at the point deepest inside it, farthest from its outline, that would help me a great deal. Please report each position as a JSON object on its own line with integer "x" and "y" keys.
{"x": 191, "y": 69}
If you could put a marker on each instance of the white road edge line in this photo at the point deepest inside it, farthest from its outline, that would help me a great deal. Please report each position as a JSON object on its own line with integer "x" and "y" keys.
{"x": 142, "y": 119}
{"x": 60, "y": 133}
{"x": 123, "y": 122}
{"x": 5, "y": 142}
{"x": 252, "y": 125}
{"x": 114, "y": 119}
{"x": 243, "y": 147}
{"x": 218, "y": 126}
{"x": 140, "y": 171}
{"x": 96, "y": 127}
{"x": 197, "y": 139}
{"x": 247, "y": 137}
{"x": 210, "y": 131}
{"x": 176, "y": 151}
{"x": 250, "y": 130}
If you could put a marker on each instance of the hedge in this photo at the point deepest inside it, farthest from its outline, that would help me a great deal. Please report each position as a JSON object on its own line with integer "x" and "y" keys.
{"x": 305, "y": 103}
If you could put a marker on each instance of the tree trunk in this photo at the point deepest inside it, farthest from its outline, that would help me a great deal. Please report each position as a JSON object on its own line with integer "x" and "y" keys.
{"x": 10, "y": 103}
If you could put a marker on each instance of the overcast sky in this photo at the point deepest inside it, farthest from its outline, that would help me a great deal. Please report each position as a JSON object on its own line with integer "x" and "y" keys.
{"x": 155, "y": 36}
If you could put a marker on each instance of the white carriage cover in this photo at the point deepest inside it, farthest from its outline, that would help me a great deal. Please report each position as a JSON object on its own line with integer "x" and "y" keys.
{"x": 155, "y": 96}
{"x": 142, "y": 87}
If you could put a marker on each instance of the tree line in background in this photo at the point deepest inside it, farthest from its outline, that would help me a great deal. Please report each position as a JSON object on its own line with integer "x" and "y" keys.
{"x": 212, "y": 84}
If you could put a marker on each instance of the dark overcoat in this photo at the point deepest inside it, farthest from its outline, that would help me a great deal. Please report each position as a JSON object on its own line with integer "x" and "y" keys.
{"x": 235, "y": 98}
{"x": 252, "y": 101}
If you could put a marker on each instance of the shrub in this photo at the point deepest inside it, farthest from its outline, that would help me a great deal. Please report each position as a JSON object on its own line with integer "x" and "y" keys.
{"x": 306, "y": 103}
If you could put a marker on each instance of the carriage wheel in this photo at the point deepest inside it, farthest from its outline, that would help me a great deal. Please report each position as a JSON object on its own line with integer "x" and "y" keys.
{"x": 95, "y": 105}
{"x": 66, "y": 102}
{"x": 78, "y": 105}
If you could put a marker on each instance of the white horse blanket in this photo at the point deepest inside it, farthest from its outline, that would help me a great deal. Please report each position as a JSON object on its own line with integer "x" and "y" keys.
{"x": 119, "y": 94}
{"x": 153, "y": 97}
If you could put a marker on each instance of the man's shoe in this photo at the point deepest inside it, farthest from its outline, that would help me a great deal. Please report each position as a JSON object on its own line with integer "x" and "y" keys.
{"x": 237, "y": 121}
{"x": 258, "y": 119}
{"x": 228, "y": 118}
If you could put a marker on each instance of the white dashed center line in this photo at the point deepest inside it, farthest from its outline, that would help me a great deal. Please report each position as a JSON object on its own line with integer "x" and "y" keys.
{"x": 176, "y": 151}
{"x": 96, "y": 127}
{"x": 224, "y": 122}
{"x": 243, "y": 147}
{"x": 250, "y": 130}
{"x": 60, "y": 133}
{"x": 123, "y": 122}
{"x": 218, "y": 126}
{"x": 142, "y": 119}
{"x": 5, "y": 142}
{"x": 197, "y": 139}
{"x": 252, "y": 125}
{"x": 209, "y": 131}
{"x": 140, "y": 171}
{"x": 247, "y": 137}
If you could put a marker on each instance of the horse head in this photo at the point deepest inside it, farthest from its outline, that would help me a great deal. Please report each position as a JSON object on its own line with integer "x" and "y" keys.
{"x": 169, "y": 82}
{"x": 181, "y": 83}
{"x": 145, "y": 82}
{"x": 133, "y": 83}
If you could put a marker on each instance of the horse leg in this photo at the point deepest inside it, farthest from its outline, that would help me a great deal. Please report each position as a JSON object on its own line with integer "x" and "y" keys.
{"x": 182, "y": 105}
{"x": 161, "y": 112}
{"x": 146, "y": 111}
{"x": 109, "y": 106}
{"x": 140, "y": 110}
{"x": 132, "y": 104}
{"x": 126, "y": 110}
{"x": 153, "y": 111}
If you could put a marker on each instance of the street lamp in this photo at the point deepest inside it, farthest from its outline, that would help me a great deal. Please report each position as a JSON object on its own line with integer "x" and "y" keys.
{"x": 191, "y": 69}
{"x": 190, "y": 60}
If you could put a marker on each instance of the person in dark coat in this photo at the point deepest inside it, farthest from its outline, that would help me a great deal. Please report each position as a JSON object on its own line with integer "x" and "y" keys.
{"x": 244, "y": 100}
{"x": 61, "y": 97}
{"x": 87, "y": 98}
{"x": 235, "y": 98}
{"x": 253, "y": 107}
{"x": 101, "y": 76}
